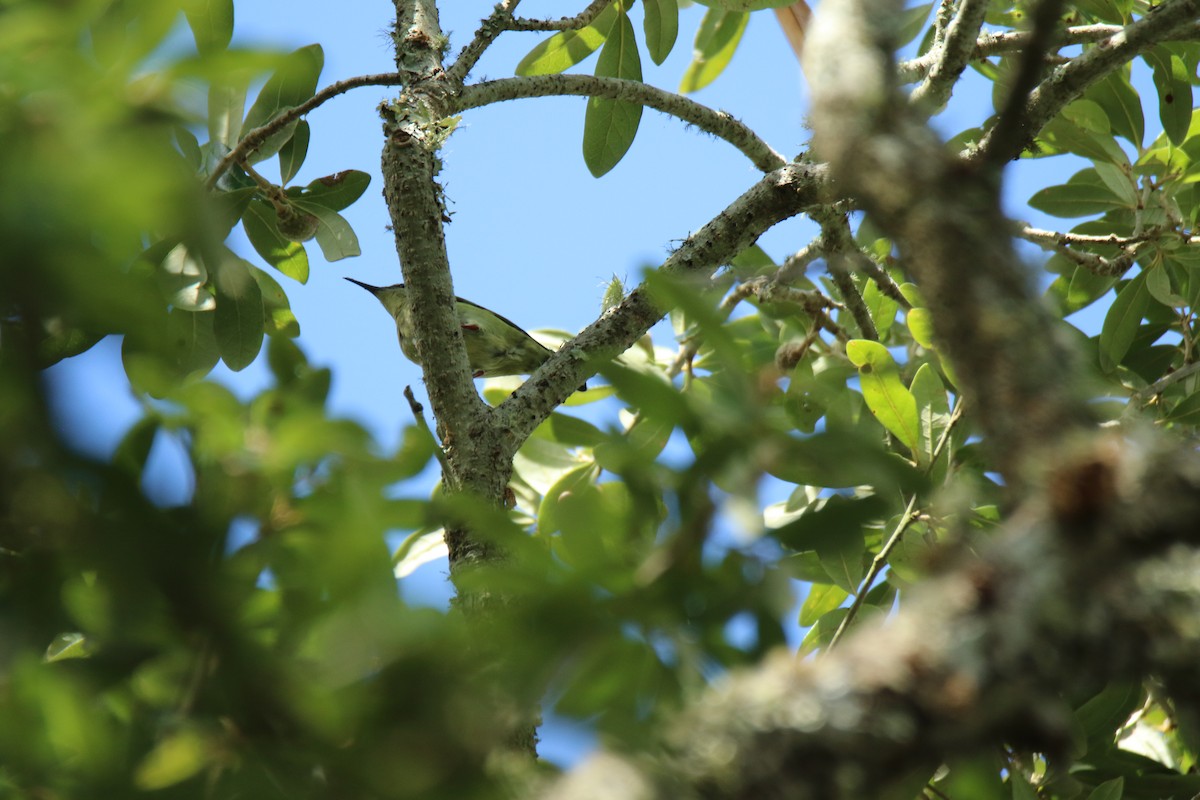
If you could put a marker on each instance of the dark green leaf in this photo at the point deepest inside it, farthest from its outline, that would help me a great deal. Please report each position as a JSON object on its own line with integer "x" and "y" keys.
{"x": 661, "y": 25}
{"x": 280, "y": 320}
{"x": 334, "y": 234}
{"x": 293, "y": 152}
{"x": 134, "y": 447}
{"x": 1109, "y": 790}
{"x": 610, "y": 126}
{"x": 1122, "y": 321}
{"x": 334, "y": 192}
{"x": 261, "y": 225}
{"x": 1121, "y": 103}
{"x": 1174, "y": 93}
{"x": 1083, "y": 195}
{"x": 189, "y": 145}
{"x": 238, "y": 323}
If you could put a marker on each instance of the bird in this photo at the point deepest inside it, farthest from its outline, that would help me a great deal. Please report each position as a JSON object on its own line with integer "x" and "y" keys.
{"x": 496, "y": 346}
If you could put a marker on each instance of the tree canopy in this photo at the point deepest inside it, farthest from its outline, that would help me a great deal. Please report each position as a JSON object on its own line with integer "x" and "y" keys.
{"x": 987, "y": 512}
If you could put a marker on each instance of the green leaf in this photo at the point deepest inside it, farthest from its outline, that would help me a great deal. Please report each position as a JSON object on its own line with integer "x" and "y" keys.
{"x": 1122, "y": 322}
{"x": 177, "y": 757}
{"x": 211, "y": 22}
{"x": 238, "y": 323}
{"x": 193, "y": 342}
{"x": 334, "y": 234}
{"x": 294, "y": 151}
{"x": 1083, "y": 129}
{"x": 225, "y": 106}
{"x": 1083, "y": 195}
{"x": 716, "y": 41}
{"x": 911, "y": 22}
{"x": 1021, "y": 789}
{"x": 891, "y": 403}
{"x": 566, "y": 49}
{"x": 1158, "y": 283}
{"x": 610, "y": 126}
{"x": 418, "y": 548}
{"x": 279, "y": 317}
{"x": 1121, "y": 103}
{"x": 67, "y": 646}
{"x": 1109, "y": 790}
{"x": 920, "y": 325}
{"x": 933, "y": 411}
{"x": 261, "y": 226}
{"x": 134, "y": 447}
{"x": 334, "y": 192}
{"x": 842, "y": 558}
{"x": 661, "y": 25}
{"x": 822, "y": 598}
{"x": 1119, "y": 182}
{"x": 572, "y": 431}
{"x": 881, "y": 308}
{"x": 1174, "y": 93}
{"x": 189, "y": 146}
{"x": 292, "y": 83}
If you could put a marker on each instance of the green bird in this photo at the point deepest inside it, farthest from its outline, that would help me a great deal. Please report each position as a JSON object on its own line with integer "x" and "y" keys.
{"x": 496, "y": 346}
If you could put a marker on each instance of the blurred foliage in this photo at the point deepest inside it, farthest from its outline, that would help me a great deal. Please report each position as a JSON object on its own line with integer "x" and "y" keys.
{"x": 160, "y": 649}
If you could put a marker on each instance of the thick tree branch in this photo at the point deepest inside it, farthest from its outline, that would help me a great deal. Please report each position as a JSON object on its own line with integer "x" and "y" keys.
{"x": 416, "y": 206}
{"x": 254, "y": 139}
{"x": 718, "y": 123}
{"x": 951, "y": 58}
{"x": 1069, "y": 81}
{"x": 778, "y": 195}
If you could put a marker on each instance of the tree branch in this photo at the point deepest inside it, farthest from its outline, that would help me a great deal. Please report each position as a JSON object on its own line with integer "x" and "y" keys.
{"x": 778, "y": 195}
{"x": 254, "y": 139}
{"x": 1068, "y": 82}
{"x": 580, "y": 20}
{"x": 1011, "y": 133}
{"x": 718, "y": 123}
{"x": 417, "y": 210}
{"x": 497, "y": 23}
{"x": 991, "y": 44}
{"x": 949, "y": 61}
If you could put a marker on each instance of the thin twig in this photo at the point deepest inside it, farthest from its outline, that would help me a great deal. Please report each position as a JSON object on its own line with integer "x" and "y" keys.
{"x": 255, "y": 138}
{"x": 1186, "y": 371}
{"x": 906, "y": 519}
{"x": 500, "y": 20}
{"x": 718, "y": 123}
{"x": 992, "y": 44}
{"x": 580, "y": 20}
{"x": 418, "y": 412}
{"x": 1040, "y": 236}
